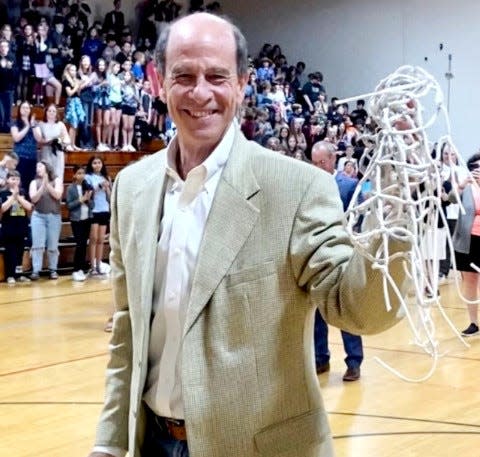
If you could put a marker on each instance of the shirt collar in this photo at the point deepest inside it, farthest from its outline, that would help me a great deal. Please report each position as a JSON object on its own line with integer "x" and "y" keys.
{"x": 211, "y": 165}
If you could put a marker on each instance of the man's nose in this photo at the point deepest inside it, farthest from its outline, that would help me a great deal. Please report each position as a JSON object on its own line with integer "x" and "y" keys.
{"x": 201, "y": 91}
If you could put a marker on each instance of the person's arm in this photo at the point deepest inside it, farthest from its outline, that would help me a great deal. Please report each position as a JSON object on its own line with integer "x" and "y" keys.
{"x": 18, "y": 135}
{"x": 24, "y": 203}
{"x": 340, "y": 281}
{"x": 55, "y": 190}
{"x": 72, "y": 90}
{"x": 37, "y": 134}
{"x": 112, "y": 431}
{"x": 7, "y": 204}
{"x": 34, "y": 192}
{"x": 64, "y": 136}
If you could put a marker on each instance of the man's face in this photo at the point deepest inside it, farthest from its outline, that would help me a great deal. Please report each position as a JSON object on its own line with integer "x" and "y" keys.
{"x": 323, "y": 159}
{"x": 200, "y": 85}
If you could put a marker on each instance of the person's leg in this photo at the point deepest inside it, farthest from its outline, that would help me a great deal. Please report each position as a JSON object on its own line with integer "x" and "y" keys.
{"x": 53, "y": 235}
{"x": 99, "y": 125}
{"x": 353, "y": 348}
{"x": 77, "y": 235}
{"x": 102, "y": 230}
{"x": 130, "y": 120}
{"x": 470, "y": 285}
{"x": 57, "y": 87}
{"x": 39, "y": 235}
{"x": 116, "y": 126}
{"x": 125, "y": 130}
{"x": 10, "y": 258}
{"x": 107, "y": 127}
{"x": 320, "y": 337}
{"x": 93, "y": 245}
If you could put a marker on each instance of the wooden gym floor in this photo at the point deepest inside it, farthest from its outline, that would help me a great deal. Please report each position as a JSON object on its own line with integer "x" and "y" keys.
{"x": 54, "y": 353}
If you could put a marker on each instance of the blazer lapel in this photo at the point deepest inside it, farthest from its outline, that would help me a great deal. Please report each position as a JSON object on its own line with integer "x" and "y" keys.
{"x": 230, "y": 222}
{"x": 147, "y": 216}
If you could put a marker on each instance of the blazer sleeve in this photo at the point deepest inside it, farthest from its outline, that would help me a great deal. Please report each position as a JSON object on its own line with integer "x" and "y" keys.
{"x": 342, "y": 284}
{"x": 112, "y": 429}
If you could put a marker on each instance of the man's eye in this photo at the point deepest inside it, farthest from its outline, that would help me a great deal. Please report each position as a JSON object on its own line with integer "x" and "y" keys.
{"x": 184, "y": 79}
{"x": 216, "y": 78}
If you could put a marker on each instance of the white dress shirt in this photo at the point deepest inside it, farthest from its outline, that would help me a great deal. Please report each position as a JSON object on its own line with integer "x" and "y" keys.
{"x": 186, "y": 208}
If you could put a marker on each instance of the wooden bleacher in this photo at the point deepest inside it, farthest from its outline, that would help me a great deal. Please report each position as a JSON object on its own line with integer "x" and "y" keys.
{"x": 114, "y": 162}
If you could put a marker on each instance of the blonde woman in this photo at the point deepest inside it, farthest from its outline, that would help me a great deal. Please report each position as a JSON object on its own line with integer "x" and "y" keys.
{"x": 74, "y": 112}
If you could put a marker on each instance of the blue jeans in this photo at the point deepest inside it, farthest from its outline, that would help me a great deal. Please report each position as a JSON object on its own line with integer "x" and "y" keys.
{"x": 351, "y": 343}
{"x": 158, "y": 443}
{"x": 45, "y": 232}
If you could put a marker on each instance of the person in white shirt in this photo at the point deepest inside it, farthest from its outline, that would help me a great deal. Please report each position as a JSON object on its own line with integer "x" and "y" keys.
{"x": 220, "y": 251}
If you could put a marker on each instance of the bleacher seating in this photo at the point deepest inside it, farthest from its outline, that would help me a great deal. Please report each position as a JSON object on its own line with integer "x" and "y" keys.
{"x": 114, "y": 162}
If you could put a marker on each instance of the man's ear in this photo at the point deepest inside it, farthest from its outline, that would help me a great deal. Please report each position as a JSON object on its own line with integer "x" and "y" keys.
{"x": 162, "y": 94}
{"x": 242, "y": 82}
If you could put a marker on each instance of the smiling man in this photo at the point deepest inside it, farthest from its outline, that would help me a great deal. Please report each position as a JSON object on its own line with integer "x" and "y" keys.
{"x": 220, "y": 251}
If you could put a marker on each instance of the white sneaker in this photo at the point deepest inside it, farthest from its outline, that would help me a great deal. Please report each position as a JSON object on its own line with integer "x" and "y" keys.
{"x": 131, "y": 148}
{"x": 125, "y": 148}
{"x": 23, "y": 279}
{"x": 104, "y": 268}
{"x": 11, "y": 280}
{"x": 78, "y": 276}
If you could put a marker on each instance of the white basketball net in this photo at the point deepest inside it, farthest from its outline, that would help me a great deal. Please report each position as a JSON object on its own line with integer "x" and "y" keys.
{"x": 404, "y": 202}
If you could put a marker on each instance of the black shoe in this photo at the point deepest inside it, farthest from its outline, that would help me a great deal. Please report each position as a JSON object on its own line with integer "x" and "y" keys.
{"x": 471, "y": 330}
{"x": 323, "y": 368}
{"x": 352, "y": 374}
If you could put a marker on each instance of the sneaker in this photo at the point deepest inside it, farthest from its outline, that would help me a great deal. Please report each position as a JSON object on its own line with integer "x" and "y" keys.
{"x": 11, "y": 280}
{"x": 23, "y": 279}
{"x": 104, "y": 268}
{"x": 131, "y": 148}
{"x": 471, "y": 330}
{"x": 78, "y": 276}
{"x": 93, "y": 273}
{"x": 34, "y": 277}
{"x": 53, "y": 274}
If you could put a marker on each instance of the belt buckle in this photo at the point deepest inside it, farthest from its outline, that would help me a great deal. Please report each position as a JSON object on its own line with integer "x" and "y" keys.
{"x": 177, "y": 422}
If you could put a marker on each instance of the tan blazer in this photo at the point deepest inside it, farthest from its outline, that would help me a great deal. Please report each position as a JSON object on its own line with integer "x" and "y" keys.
{"x": 274, "y": 246}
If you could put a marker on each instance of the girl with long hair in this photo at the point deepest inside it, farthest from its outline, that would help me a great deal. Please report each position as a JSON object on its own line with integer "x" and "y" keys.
{"x": 129, "y": 108}
{"x": 99, "y": 181}
{"x": 74, "y": 112}
{"x": 45, "y": 193}
{"x": 102, "y": 105}
{"x": 25, "y": 137}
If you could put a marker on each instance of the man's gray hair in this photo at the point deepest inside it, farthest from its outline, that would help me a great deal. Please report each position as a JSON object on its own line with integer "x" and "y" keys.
{"x": 329, "y": 147}
{"x": 240, "y": 44}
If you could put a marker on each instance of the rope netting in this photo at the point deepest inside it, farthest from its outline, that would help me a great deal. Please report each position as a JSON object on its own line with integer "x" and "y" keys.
{"x": 404, "y": 202}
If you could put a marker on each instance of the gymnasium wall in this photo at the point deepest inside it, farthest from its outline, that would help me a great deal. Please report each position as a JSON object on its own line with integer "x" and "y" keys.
{"x": 356, "y": 43}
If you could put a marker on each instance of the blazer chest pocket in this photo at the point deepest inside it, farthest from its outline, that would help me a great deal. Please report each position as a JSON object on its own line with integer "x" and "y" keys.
{"x": 253, "y": 273}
